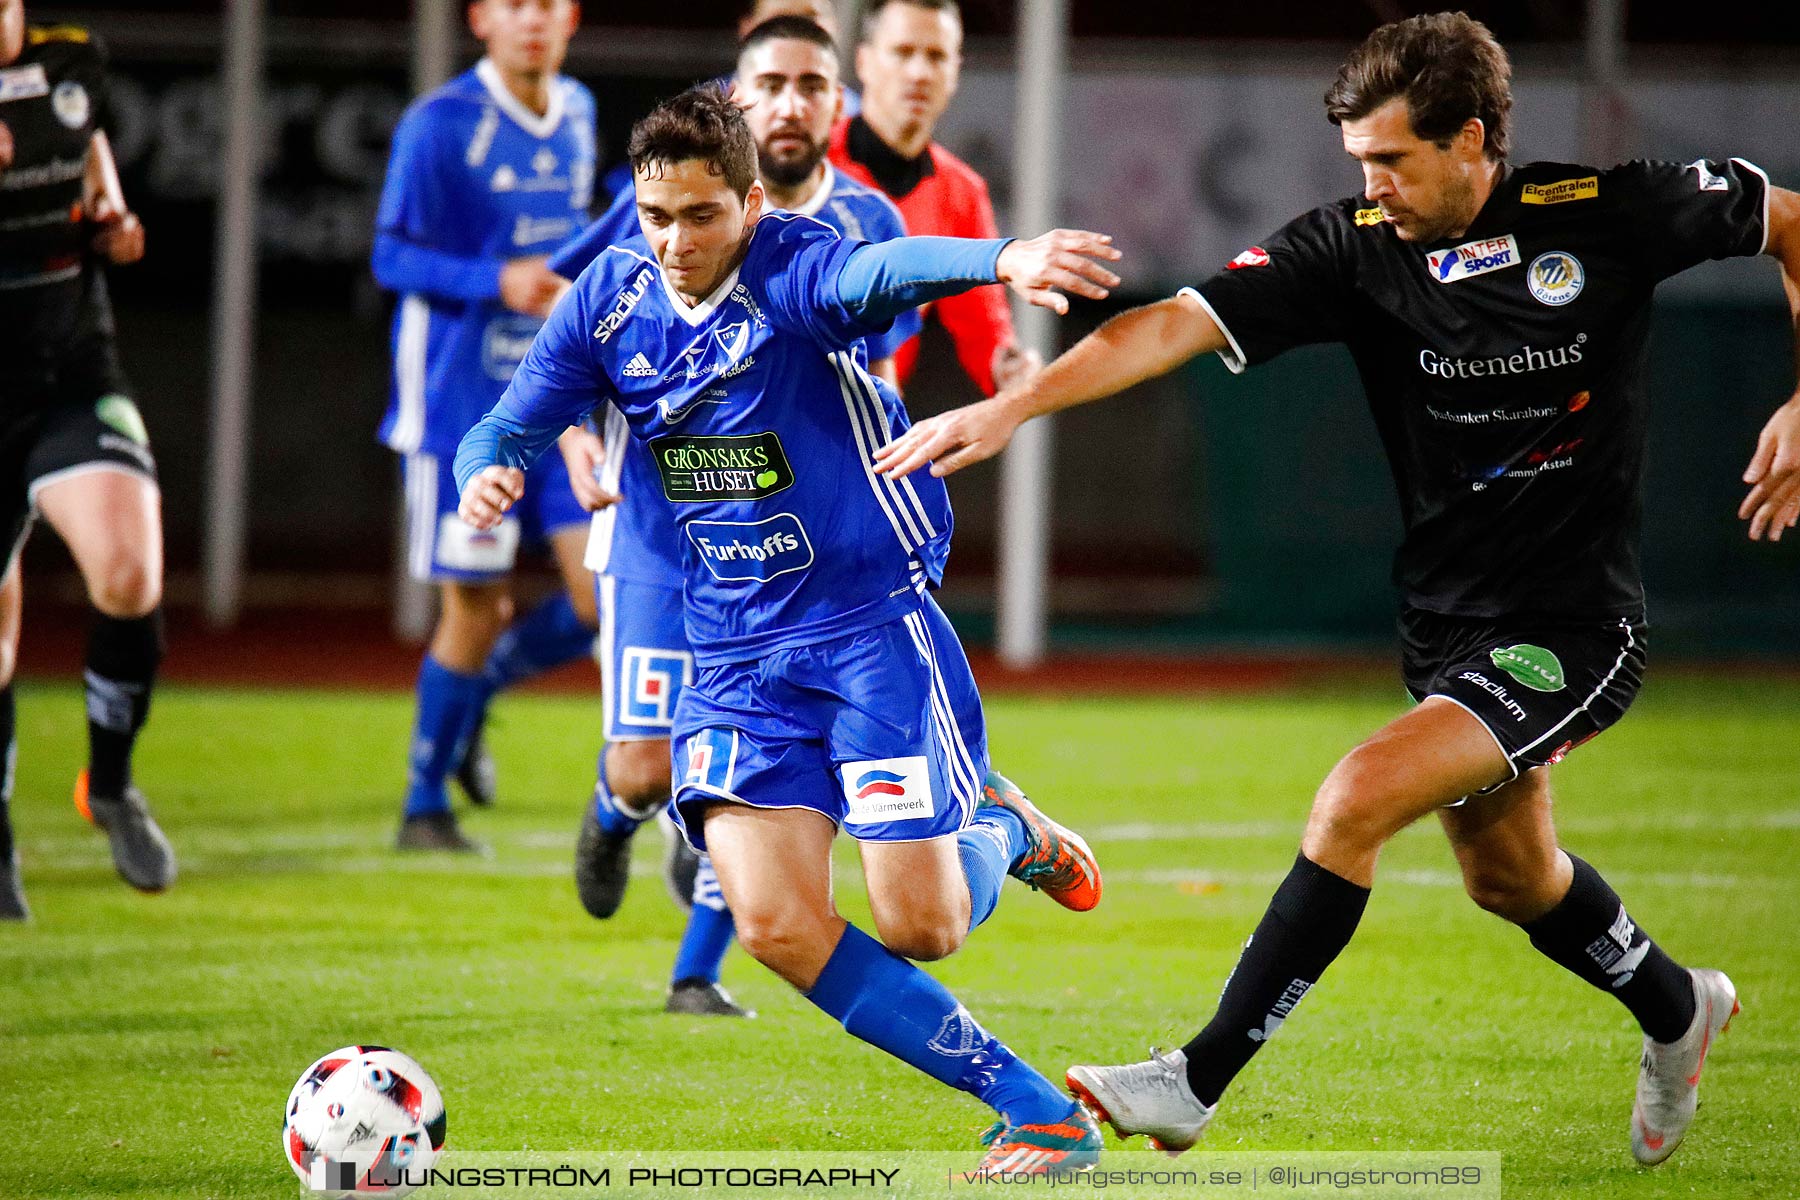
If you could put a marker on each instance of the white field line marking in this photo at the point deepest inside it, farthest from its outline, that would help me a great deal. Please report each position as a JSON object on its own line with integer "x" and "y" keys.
{"x": 1148, "y": 831}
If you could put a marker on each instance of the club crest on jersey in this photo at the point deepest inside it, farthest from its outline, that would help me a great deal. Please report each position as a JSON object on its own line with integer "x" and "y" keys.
{"x": 1473, "y": 258}
{"x": 70, "y": 103}
{"x": 1255, "y": 256}
{"x": 1555, "y": 277}
{"x": 887, "y": 789}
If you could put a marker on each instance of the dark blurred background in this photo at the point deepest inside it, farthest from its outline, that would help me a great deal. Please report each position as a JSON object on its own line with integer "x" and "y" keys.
{"x": 1202, "y": 511}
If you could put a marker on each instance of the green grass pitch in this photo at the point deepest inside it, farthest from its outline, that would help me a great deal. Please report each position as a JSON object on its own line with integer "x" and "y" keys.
{"x": 147, "y": 1044}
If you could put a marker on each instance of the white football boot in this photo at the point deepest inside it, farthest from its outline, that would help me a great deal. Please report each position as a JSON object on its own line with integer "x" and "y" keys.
{"x": 1668, "y": 1087}
{"x": 1151, "y": 1098}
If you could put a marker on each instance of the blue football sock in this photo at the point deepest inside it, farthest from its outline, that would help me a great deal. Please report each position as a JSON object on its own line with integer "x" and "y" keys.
{"x": 708, "y": 933}
{"x": 546, "y": 637}
{"x": 894, "y": 1006}
{"x": 445, "y": 698}
{"x": 614, "y": 815}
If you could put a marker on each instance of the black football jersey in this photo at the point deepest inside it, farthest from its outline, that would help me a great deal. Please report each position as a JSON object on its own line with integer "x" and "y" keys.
{"x": 1505, "y": 367}
{"x": 52, "y": 300}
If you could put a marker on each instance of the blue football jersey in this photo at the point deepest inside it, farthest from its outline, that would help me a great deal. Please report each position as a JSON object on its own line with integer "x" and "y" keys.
{"x": 474, "y": 178}
{"x": 636, "y": 540}
{"x": 761, "y": 420}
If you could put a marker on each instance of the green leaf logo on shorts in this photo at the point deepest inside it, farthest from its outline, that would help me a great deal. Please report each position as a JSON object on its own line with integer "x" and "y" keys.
{"x": 1533, "y": 666}
{"x": 120, "y": 413}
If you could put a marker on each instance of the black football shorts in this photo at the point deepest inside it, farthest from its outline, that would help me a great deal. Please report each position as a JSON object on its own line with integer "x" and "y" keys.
{"x": 91, "y": 425}
{"x": 1541, "y": 685}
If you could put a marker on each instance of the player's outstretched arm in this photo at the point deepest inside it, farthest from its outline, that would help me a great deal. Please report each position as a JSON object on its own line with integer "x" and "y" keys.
{"x": 1132, "y": 347}
{"x": 1773, "y": 503}
{"x": 881, "y": 280}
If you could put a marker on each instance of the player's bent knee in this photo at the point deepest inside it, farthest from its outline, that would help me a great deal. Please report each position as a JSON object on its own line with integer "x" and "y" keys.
{"x": 1356, "y": 805}
{"x": 922, "y": 937}
{"x": 788, "y": 943}
{"x": 123, "y": 585}
{"x": 1508, "y": 893}
{"x": 638, "y": 772}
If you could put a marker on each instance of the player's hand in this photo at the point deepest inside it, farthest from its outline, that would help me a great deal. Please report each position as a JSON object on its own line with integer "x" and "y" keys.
{"x": 118, "y": 236}
{"x": 951, "y": 441}
{"x": 1015, "y": 366}
{"x": 6, "y": 146}
{"x": 1063, "y": 260}
{"x": 585, "y": 454}
{"x": 529, "y": 286}
{"x": 494, "y": 490}
{"x": 1774, "y": 476}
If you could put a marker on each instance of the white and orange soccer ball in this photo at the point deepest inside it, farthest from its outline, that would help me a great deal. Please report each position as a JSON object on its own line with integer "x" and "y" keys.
{"x": 363, "y": 1121}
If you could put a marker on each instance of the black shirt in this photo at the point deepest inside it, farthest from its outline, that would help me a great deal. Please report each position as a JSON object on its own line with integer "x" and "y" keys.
{"x": 52, "y": 300}
{"x": 1505, "y": 367}
{"x": 892, "y": 171}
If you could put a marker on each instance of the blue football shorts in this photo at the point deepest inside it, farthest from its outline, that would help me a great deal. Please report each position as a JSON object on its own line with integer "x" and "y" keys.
{"x": 645, "y": 662}
{"x": 442, "y": 546}
{"x": 881, "y": 730}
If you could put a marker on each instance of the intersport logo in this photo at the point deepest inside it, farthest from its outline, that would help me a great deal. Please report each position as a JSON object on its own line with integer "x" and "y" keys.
{"x": 1473, "y": 258}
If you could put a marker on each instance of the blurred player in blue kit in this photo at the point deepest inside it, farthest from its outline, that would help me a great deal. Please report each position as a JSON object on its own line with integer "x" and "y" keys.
{"x": 788, "y": 77}
{"x": 487, "y": 175}
{"x": 828, "y": 688}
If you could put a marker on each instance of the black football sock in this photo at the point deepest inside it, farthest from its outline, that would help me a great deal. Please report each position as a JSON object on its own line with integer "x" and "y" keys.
{"x": 8, "y": 748}
{"x": 1589, "y": 933}
{"x": 1307, "y": 924}
{"x": 122, "y": 657}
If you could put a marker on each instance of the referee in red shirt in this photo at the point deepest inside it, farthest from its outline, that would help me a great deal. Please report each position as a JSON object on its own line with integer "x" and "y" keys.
{"x": 909, "y": 60}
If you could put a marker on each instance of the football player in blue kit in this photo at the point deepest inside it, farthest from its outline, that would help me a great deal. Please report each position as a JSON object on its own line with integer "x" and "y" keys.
{"x": 828, "y": 687}
{"x": 789, "y": 79}
{"x": 487, "y": 175}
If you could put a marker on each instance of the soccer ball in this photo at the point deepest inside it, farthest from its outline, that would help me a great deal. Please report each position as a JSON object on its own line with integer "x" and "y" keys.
{"x": 361, "y": 1122}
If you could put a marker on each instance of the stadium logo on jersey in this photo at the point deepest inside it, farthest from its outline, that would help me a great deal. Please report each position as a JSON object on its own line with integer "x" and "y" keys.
{"x": 744, "y": 467}
{"x": 1555, "y": 277}
{"x": 628, "y": 300}
{"x": 1708, "y": 181}
{"x": 1255, "y": 256}
{"x": 752, "y": 551}
{"x": 649, "y": 682}
{"x": 1473, "y": 258}
{"x": 505, "y": 179}
{"x": 1535, "y": 667}
{"x": 1369, "y": 216}
{"x": 1560, "y": 192}
{"x": 70, "y": 103}
{"x": 23, "y": 83}
{"x": 887, "y": 789}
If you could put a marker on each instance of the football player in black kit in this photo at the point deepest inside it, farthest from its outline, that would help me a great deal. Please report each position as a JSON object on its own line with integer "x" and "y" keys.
{"x": 1498, "y": 316}
{"x": 73, "y": 449}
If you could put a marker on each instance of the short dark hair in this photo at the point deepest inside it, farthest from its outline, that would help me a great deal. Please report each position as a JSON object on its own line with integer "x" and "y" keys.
{"x": 787, "y": 28}
{"x": 1448, "y": 66}
{"x": 701, "y": 123}
{"x": 873, "y": 10}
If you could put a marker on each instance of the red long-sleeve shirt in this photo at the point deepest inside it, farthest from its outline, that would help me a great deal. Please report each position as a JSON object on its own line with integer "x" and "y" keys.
{"x": 950, "y": 201}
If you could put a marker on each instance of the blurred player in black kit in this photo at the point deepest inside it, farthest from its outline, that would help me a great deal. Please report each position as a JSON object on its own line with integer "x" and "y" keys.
{"x": 1499, "y": 318}
{"x": 73, "y": 449}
